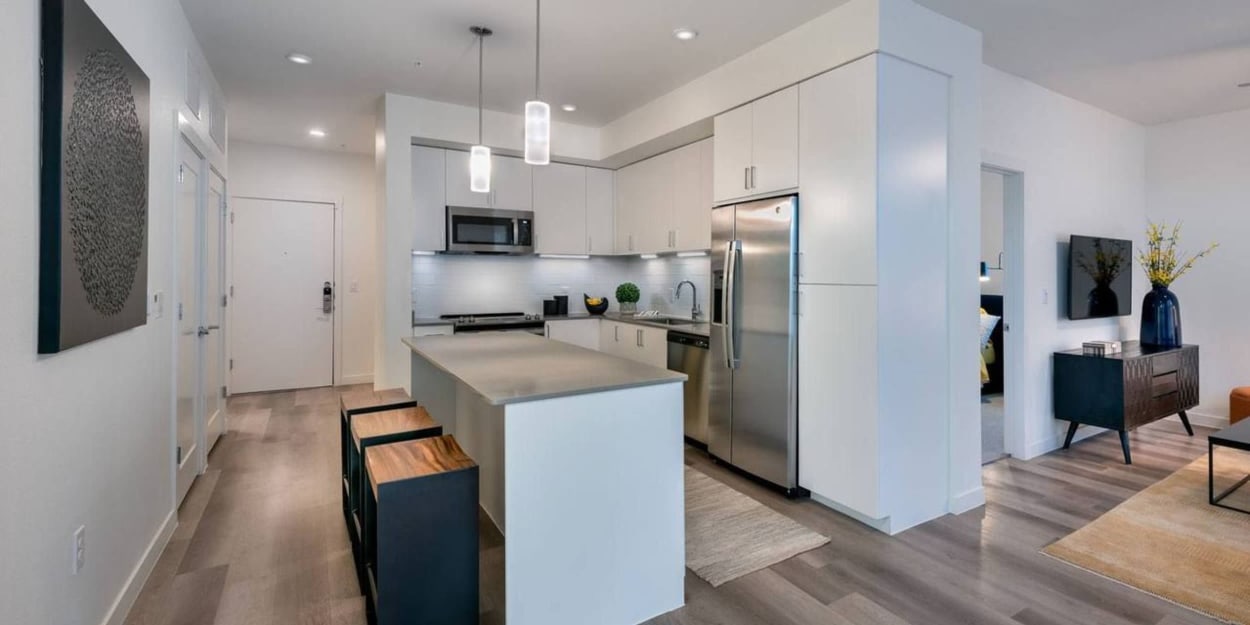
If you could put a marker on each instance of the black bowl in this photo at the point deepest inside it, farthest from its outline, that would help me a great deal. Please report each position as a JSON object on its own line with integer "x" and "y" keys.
{"x": 599, "y": 309}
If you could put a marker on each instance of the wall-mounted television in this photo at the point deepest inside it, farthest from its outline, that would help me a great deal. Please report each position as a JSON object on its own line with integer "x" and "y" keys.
{"x": 1100, "y": 277}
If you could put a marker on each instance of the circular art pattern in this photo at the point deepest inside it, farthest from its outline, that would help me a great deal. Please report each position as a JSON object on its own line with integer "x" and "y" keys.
{"x": 105, "y": 181}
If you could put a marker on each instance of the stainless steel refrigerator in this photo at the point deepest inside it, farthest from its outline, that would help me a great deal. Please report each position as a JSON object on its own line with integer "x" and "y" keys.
{"x": 753, "y": 409}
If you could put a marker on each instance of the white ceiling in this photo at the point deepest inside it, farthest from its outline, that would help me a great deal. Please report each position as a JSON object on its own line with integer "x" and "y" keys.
{"x": 1151, "y": 61}
{"x": 1147, "y": 60}
{"x": 608, "y": 57}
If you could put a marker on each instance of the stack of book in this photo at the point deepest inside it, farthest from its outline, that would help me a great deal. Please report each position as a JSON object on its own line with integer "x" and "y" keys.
{"x": 1100, "y": 348}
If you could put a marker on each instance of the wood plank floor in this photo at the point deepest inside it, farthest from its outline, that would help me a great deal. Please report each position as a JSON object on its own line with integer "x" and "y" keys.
{"x": 261, "y": 541}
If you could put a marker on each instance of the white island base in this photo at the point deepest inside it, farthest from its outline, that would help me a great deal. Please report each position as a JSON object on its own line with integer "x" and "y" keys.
{"x": 586, "y": 485}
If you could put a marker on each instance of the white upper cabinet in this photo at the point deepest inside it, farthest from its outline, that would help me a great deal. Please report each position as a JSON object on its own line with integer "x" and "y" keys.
{"x": 775, "y": 142}
{"x": 600, "y": 211}
{"x": 692, "y": 201}
{"x": 663, "y": 204}
{"x": 732, "y": 154}
{"x": 429, "y": 199}
{"x": 511, "y": 183}
{"x": 757, "y": 147}
{"x": 838, "y": 210}
{"x": 630, "y": 199}
{"x": 560, "y": 209}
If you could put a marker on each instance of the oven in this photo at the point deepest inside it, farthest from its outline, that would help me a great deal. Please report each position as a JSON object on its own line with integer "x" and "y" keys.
{"x": 489, "y": 231}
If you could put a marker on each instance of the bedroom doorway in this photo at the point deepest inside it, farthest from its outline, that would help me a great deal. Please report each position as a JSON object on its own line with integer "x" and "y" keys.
{"x": 1001, "y": 239}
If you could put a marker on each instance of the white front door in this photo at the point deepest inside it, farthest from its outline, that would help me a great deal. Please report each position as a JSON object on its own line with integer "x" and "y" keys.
{"x": 281, "y": 328}
{"x": 214, "y": 299}
{"x": 187, "y": 319}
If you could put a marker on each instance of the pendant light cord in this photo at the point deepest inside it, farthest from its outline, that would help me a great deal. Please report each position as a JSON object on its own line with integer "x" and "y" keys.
{"x": 538, "y": 12}
{"x": 481, "y": 43}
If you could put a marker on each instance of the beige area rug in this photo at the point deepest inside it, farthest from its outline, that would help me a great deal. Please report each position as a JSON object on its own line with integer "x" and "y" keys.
{"x": 729, "y": 534}
{"x": 1168, "y": 541}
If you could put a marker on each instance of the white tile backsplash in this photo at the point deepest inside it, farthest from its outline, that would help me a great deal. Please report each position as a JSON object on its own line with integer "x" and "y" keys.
{"x": 461, "y": 284}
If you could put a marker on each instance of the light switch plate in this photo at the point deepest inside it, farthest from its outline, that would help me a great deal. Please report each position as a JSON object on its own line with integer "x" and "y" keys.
{"x": 158, "y": 304}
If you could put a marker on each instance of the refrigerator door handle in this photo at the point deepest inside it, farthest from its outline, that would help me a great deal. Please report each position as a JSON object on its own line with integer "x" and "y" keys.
{"x": 732, "y": 260}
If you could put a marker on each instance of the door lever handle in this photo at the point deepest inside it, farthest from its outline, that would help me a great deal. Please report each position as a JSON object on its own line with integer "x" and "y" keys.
{"x": 203, "y": 331}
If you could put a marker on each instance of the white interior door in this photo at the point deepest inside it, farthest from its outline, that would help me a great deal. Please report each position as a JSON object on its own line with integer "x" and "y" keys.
{"x": 281, "y": 335}
{"x": 186, "y": 311}
{"x": 213, "y": 336}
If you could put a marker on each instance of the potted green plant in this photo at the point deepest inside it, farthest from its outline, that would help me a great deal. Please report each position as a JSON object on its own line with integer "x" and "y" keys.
{"x": 628, "y": 294}
{"x": 1160, "y": 310}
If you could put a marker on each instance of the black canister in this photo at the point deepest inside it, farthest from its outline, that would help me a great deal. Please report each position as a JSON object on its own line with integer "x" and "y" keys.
{"x": 550, "y": 308}
{"x": 562, "y": 305}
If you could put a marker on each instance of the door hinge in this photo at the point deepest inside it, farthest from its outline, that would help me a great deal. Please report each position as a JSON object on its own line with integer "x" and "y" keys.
{"x": 231, "y": 290}
{"x": 179, "y": 453}
{"x": 223, "y": 300}
{"x": 232, "y": 217}
{"x": 232, "y": 364}
{"x": 181, "y": 173}
{"x": 223, "y": 392}
{"x": 179, "y": 311}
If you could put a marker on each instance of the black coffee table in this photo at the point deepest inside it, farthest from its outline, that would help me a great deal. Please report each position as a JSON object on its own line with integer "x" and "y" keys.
{"x": 1233, "y": 437}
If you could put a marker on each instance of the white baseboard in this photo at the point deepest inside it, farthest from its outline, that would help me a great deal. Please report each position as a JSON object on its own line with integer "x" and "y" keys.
{"x": 359, "y": 378}
{"x": 139, "y": 576}
{"x": 1218, "y": 422}
{"x": 1043, "y": 447}
{"x": 967, "y": 500}
{"x": 881, "y": 525}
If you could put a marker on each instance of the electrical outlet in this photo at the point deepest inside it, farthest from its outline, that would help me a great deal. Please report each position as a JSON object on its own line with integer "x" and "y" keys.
{"x": 80, "y": 548}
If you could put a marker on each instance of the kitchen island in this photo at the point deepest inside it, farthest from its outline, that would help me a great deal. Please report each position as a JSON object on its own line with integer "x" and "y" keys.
{"x": 580, "y": 460}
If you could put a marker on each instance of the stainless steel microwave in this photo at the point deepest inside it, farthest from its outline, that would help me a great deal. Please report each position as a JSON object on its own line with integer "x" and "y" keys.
{"x": 489, "y": 231}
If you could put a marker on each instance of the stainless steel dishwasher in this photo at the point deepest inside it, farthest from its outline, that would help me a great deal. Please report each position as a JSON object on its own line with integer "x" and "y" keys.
{"x": 688, "y": 353}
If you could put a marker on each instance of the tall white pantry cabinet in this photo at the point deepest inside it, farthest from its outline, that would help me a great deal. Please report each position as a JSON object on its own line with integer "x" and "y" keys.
{"x": 872, "y": 301}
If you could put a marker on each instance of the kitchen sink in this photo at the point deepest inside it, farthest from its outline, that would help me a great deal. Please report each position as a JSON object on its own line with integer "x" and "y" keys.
{"x": 668, "y": 321}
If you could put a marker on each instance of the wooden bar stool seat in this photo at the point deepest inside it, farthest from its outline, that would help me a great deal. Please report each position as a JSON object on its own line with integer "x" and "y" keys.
{"x": 421, "y": 555}
{"x": 360, "y": 402}
{"x": 378, "y": 428}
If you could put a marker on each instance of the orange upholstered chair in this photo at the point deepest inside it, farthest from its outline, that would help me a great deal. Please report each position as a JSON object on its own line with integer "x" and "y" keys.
{"x": 1239, "y": 404}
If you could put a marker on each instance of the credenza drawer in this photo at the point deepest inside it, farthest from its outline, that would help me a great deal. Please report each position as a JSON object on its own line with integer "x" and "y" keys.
{"x": 1161, "y": 385}
{"x": 1166, "y": 363}
{"x": 1165, "y": 405}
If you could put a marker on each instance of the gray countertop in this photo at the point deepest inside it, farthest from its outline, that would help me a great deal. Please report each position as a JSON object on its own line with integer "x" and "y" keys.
{"x": 430, "y": 321}
{"x": 512, "y": 367}
{"x": 699, "y": 329}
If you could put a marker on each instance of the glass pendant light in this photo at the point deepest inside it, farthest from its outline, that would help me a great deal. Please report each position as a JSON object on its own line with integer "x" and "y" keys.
{"x": 537, "y": 112}
{"x": 479, "y": 155}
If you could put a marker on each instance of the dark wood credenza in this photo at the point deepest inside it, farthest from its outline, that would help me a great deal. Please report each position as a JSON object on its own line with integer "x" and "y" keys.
{"x": 1126, "y": 390}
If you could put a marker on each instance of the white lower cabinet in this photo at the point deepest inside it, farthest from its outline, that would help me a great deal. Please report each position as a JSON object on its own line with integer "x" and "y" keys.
{"x": 579, "y": 332}
{"x": 838, "y": 367}
{"x": 638, "y": 343}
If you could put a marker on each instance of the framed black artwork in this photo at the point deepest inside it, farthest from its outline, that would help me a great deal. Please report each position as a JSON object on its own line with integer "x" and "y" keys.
{"x": 93, "y": 222}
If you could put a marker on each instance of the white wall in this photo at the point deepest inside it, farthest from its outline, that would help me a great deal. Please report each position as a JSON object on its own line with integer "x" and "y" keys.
{"x": 1084, "y": 173}
{"x": 1198, "y": 172}
{"x": 88, "y": 433}
{"x": 455, "y": 284}
{"x": 345, "y": 179}
{"x": 992, "y": 229}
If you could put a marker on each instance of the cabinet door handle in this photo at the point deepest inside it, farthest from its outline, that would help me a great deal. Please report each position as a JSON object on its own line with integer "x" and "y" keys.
{"x": 639, "y": 339}
{"x": 616, "y": 334}
{"x": 631, "y": 242}
{"x": 753, "y": 176}
{"x": 746, "y": 177}
{"x": 589, "y": 246}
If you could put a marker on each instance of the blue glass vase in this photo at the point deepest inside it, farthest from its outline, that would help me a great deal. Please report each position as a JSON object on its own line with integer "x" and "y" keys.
{"x": 1160, "y": 318}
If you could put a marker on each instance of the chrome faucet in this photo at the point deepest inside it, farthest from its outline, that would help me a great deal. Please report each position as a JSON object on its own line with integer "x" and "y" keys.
{"x": 695, "y": 313}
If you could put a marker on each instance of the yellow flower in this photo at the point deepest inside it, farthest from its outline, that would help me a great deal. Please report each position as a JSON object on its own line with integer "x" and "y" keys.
{"x": 1160, "y": 259}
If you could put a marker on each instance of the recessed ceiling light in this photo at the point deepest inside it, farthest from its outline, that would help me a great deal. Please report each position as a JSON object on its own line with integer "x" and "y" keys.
{"x": 317, "y": 132}
{"x": 569, "y": 107}
{"x": 685, "y": 34}
{"x": 299, "y": 59}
